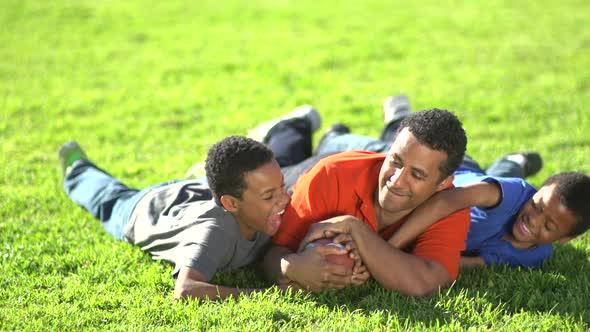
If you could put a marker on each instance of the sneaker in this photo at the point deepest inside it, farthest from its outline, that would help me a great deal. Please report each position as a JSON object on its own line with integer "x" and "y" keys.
{"x": 306, "y": 112}
{"x": 530, "y": 161}
{"x": 396, "y": 108}
{"x": 68, "y": 154}
{"x": 196, "y": 171}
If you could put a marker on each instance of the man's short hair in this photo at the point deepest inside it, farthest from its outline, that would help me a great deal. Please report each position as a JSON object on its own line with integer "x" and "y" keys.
{"x": 440, "y": 130}
{"x": 229, "y": 160}
{"x": 573, "y": 189}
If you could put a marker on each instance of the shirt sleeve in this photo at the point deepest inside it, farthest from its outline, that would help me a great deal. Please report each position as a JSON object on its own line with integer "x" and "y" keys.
{"x": 309, "y": 204}
{"x": 506, "y": 254}
{"x": 210, "y": 247}
{"x": 444, "y": 241}
{"x": 515, "y": 192}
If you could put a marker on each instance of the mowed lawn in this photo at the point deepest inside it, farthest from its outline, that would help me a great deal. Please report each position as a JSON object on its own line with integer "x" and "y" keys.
{"x": 146, "y": 87}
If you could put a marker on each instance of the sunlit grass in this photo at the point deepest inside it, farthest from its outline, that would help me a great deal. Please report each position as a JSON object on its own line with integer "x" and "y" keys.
{"x": 147, "y": 87}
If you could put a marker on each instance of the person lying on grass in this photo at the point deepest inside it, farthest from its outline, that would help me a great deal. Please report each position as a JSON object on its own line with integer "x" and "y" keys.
{"x": 511, "y": 222}
{"x": 371, "y": 188}
{"x": 199, "y": 229}
{"x": 377, "y": 193}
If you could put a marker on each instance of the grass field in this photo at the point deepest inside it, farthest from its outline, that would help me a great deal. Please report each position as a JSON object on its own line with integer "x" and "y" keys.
{"x": 146, "y": 87}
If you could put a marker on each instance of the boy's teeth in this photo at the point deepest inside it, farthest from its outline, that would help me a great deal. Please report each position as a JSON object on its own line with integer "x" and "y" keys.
{"x": 526, "y": 228}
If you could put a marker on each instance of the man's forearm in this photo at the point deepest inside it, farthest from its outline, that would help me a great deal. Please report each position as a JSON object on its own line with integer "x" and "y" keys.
{"x": 395, "y": 269}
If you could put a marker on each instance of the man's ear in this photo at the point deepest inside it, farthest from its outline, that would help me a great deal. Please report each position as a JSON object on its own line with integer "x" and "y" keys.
{"x": 445, "y": 183}
{"x": 565, "y": 239}
{"x": 229, "y": 203}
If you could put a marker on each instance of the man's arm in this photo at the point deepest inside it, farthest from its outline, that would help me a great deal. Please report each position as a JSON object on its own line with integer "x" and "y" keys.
{"x": 396, "y": 270}
{"x": 442, "y": 204}
{"x": 191, "y": 284}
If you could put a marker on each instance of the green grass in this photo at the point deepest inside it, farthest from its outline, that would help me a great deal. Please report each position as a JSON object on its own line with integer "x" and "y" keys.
{"x": 147, "y": 87}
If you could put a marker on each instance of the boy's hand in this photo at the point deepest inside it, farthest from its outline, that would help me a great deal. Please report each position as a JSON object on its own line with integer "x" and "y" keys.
{"x": 360, "y": 275}
{"x": 310, "y": 269}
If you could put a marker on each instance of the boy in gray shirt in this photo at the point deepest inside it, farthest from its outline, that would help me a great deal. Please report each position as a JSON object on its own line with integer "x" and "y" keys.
{"x": 200, "y": 229}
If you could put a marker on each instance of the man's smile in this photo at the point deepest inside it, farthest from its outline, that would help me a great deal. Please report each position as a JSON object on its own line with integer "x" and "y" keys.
{"x": 397, "y": 192}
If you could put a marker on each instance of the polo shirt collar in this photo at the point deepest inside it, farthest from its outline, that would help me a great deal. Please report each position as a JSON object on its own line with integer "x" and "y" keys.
{"x": 365, "y": 191}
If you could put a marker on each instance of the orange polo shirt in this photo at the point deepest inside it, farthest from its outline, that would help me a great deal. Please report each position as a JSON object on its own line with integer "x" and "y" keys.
{"x": 345, "y": 184}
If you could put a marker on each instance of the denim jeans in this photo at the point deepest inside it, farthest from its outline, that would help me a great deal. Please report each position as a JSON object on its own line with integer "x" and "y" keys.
{"x": 336, "y": 142}
{"x": 104, "y": 196}
{"x": 290, "y": 141}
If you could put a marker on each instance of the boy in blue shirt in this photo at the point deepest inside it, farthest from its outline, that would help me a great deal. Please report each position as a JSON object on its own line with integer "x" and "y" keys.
{"x": 511, "y": 222}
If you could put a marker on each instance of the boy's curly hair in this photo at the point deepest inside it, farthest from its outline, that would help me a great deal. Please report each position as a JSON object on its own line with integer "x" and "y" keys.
{"x": 229, "y": 160}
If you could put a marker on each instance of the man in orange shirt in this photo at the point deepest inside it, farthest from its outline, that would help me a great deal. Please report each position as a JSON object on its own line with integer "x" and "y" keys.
{"x": 368, "y": 196}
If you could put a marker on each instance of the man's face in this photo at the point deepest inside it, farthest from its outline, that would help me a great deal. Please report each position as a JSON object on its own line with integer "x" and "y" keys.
{"x": 263, "y": 200}
{"x": 544, "y": 219}
{"x": 410, "y": 174}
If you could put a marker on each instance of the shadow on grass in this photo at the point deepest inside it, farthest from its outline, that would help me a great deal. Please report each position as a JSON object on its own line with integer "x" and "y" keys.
{"x": 561, "y": 287}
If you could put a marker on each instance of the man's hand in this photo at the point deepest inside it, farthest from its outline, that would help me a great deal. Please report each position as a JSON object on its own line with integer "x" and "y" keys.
{"x": 339, "y": 229}
{"x": 310, "y": 269}
{"x": 360, "y": 273}
{"x": 328, "y": 229}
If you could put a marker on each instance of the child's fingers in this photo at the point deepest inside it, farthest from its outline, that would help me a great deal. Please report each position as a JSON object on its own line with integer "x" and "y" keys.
{"x": 358, "y": 279}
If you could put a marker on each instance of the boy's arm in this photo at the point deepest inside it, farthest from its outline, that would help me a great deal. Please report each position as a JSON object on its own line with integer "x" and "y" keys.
{"x": 471, "y": 262}
{"x": 191, "y": 284}
{"x": 443, "y": 204}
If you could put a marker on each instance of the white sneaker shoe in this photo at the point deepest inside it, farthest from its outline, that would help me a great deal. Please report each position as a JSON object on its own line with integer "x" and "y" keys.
{"x": 396, "y": 108}
{"x": 306, "y": 112}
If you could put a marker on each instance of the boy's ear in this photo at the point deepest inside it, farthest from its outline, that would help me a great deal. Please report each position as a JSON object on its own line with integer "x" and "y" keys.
{"x": 229, "y": 203}
{"x": 445, "y": 183}
{"x": 565, "y": 239}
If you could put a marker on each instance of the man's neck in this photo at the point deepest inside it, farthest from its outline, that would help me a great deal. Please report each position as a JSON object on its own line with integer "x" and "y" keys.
{"x": 385, "y": 219}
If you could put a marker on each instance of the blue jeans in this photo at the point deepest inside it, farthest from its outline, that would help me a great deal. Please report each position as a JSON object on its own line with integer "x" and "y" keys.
{"x": 336, "y": 142}
{"x": 104, "y": 196}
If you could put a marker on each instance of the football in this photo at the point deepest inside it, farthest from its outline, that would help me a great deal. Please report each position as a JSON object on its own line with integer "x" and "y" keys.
{"x": 343, "y": 259}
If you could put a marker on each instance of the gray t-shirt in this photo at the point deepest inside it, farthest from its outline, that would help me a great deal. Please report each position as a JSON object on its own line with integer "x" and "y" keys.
{"x": 181, "y": 224}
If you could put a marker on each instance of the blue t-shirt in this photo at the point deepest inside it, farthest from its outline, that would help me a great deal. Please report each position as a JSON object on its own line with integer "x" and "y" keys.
{"x": 490, "y": 225}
